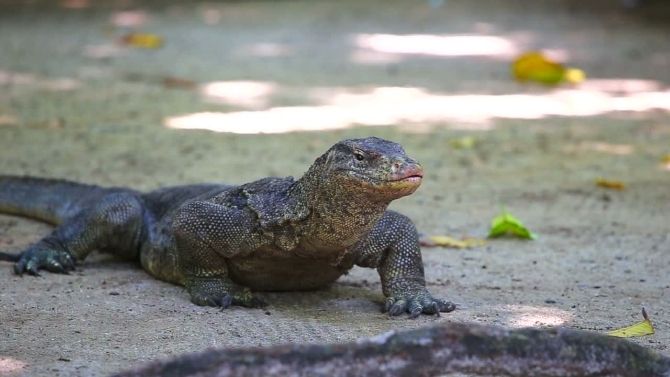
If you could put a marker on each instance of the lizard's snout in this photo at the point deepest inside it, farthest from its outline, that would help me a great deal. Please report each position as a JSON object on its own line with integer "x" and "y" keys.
{"x": 404, "y": 178}
{"x": 406, "y": 171}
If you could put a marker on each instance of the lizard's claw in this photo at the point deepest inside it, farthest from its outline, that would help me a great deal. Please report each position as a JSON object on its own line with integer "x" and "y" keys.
{"x": 221, "y": 293}
{"x": 41, "y": 258}
{"x": 416, "y": 304}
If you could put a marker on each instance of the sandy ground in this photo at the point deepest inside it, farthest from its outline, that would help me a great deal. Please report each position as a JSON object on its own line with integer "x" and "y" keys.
{"x": 75, "y": 104}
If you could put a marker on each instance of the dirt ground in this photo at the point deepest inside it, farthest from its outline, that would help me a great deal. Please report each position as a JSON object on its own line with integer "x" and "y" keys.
{"x": 76, "y": 104}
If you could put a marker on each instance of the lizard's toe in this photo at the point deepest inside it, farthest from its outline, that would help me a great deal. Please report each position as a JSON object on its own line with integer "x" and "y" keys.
{"x": 53, "y": 265}
{"x": 398, "y": 307}
{"x": 225, "y": 301}
{"x": 221, "y": 292}
{"x": 417, "y": 303}
{"x": 222, "y": 301}
{"x": 445, "y": 306}
{"x": 20, "y": 267}
{"x": 32, "y": 267}
{"x": 430, "y": 306}
{"x": 253, "y": 302}
{"x": 67, "y": 261}
{"x": 35, "y": 259}
{"x": 244, "y": 297}
{"x": 414, "y": 308}
{"x": 387, "y": 305}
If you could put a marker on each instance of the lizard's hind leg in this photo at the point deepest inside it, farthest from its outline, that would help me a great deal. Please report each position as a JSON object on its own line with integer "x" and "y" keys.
{"x": 113, "y": 223}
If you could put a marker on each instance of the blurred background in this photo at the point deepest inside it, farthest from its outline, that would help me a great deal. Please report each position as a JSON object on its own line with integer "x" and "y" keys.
{"x": 556, "y": 110}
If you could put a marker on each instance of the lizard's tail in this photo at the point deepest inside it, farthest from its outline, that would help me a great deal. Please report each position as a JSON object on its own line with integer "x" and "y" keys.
{"x": 9, "y": 257}
{"x": 49, "y": 200}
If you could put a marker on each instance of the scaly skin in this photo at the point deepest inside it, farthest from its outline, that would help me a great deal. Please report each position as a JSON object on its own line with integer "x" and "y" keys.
{"x": 444, "y": 350}
{"x": 221, "y": 242}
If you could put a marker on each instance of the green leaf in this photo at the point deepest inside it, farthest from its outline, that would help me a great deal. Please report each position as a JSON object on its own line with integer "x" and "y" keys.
{"x": 507, "y": 224}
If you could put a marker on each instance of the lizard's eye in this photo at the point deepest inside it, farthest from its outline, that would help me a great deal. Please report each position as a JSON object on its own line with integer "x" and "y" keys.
{"x": 359, "y": 156}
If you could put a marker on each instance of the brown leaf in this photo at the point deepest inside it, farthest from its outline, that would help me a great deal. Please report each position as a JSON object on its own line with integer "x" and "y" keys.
{"x": 178, "y": 83}
{"x": 142, "y": 40}
{"x": 610, "y": 184}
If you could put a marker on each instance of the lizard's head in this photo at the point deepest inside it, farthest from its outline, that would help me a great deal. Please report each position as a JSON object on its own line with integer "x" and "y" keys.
{"x": 373, "y": 166}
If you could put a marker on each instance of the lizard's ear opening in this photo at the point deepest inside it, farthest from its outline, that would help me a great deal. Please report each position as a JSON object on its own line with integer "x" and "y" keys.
{"x": 323, "y": 164}
{"x": 328, "y": 160}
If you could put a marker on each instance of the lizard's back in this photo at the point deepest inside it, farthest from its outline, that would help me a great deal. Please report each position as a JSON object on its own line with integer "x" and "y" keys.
{"x": 163, "y": 201}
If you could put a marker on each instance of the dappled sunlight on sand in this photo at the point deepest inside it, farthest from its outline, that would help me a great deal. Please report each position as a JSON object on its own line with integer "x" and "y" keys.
{"x": 603, "y": 147}
{"x": 342, "y": 108}
{"x": 367, "y": 57}
{"x": 265, "y": 50}
{"x": 275, "y": 120}
{"x": 533, "y": 316}
{"x": 438, "y": 45}
{"x": 103, "y": 50}
{"x": 10, "y": 366}
{"x": 249, "y": 94}
{"x": 129, "y": 18}
{"x": 621, "y": 86}
{"x": 8, "y": 78}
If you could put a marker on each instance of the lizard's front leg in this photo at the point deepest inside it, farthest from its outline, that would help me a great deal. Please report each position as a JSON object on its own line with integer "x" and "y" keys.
{"x": 206, "y": 235}
{"x": 114, "y": 224}
{"x": 393, "y": 248}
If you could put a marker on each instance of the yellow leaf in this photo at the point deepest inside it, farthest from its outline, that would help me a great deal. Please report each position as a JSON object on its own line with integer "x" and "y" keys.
{"x": 446, "y": 241}
{"x": 666, "y": 161}
{"x": 609, "y": 184}
{"x": 639, "y": 329}
{"x": 465, "y": 142}
{"x": 142, "y": 40}
{"x": 534, "y": 66}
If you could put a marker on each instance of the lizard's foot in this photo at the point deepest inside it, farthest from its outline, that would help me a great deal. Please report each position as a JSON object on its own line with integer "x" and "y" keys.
{"x": 42, "y": 257}
{"x": 221, "y": 293}
{"x": 416, "y": 302}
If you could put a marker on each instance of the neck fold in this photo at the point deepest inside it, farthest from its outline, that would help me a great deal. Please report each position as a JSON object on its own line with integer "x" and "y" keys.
{"x": 339, "y": 215}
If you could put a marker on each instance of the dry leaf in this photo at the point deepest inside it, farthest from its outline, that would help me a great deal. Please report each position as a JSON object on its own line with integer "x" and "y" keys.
{"x": 178, "y": 83}
{"x": 666, "y": 161}
{"x": 639, "y": 329}
{"x": 446, "y": 241}
{"x": 535, "y": 66}
{"x": 8, "y": 120}
{"x": 142, "y": 40}
{"x": 609, "y": 184}
{"x": 465, "y": 142}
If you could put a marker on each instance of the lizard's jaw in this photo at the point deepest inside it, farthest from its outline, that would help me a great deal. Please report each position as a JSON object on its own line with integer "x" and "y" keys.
{"x": 403, "y": 180}
{"x": 407, "y": 173}
{"x": 403, "y": 185}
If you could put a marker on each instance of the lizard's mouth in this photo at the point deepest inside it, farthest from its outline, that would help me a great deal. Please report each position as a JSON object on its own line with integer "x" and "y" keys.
{"x": 410, "y": 178}
{"x": 410, "y": 173}
{"x": 405, "y": 178}
{"x": 411, "y": 181}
